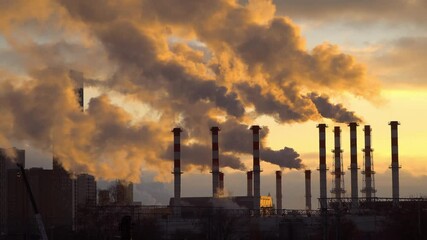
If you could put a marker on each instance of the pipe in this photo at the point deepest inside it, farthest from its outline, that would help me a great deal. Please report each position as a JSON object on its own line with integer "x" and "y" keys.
{"x": 221, "y": 183}
{"x": 215, "y": 162}
{"x": 279, "y": 192}
{"x": 177, "y": 166}
{"x": 249, "y": 183}
{"x": 395, "y": 162}
{"x": 353, "y": 165}
{"x": 256, "y": 167}
{"x": 322, "y": 165}
{"x": 338, "y": 173}
{"x": 307, "y": 189}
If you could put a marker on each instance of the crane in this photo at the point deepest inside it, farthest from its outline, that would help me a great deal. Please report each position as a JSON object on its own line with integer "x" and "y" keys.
{"x": 38, "y": 217}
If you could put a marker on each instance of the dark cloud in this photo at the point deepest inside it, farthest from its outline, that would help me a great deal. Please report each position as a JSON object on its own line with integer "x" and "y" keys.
{"x": 268, "y": 104}
{"x": 247, "y": 57}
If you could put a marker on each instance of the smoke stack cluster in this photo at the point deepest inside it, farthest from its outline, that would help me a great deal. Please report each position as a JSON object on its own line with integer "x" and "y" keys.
{"x": 249, "y": 183}
{"x": 369, "y": 188}
{"x": 279, "y": 192}
{"x": 307, "y": 189}
{"x": 322, "y": 165}
{"x": 177, "y": 166}
{"x": 215, "y": 162}
{"x": 395, "y": 162}
{"x": 256, "y": 167}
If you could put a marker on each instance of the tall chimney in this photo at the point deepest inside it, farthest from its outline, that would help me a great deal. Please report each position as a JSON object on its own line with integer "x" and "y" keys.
{"x": 221, "y": 183}
{"x": 215, "y": 162}
{"x": 307, "y": 189}
{"x": 353, "y": 164}
{"x": 395, "y": 162}
{"x": 177, "y": 167}
{"x": 369, "y": 188}
{"x": 322, "y": 165}
{"x": 256, "y": 168}
{"x": 249, "y": 182}
{"x": 279, "y": 192}
{"x": 338, "y": 173}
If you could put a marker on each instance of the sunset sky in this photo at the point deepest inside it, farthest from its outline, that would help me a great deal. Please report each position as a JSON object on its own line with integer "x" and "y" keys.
{"x": 149, "y": 66}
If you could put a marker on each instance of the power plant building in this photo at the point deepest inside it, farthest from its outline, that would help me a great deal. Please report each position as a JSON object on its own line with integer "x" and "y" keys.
{"x": 7, "y": 164}
{"x": 85, "y": 190}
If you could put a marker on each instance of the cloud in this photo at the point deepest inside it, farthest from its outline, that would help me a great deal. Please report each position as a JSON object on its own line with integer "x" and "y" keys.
{"x": 402, "y": 57}
{"x": 393, "y": 11}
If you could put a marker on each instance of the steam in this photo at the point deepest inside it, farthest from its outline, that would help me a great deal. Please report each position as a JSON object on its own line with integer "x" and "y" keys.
{"x": 195, "y": 64}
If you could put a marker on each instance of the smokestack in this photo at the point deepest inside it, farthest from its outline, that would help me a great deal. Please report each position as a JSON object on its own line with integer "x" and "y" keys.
{"x": 308, "y": 189}
{"x": 256, "y": 167}
{"x": 215, "y": 161}
{"x": 338, "y": 173}
{"x": 322, "y": 165}
{"x": 369, "y": 188}
{"x": 395, "y": 162}
{"x": 221, "y": 183}
{"x": 353, "y": 164}
{"x": 279, "y": 192}
{"x": 79, "y": 92}
{"x": 249, "y": 182}
{"x": 177, "y": 167}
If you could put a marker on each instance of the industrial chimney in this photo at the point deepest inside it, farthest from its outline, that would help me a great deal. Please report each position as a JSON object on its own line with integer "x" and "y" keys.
{"x": 395, "y": 162}
{"x": 322, "y": 165}
{"x": 256, "y": 168}
{"x": 353, "y": 164}
{"x": 215, "y": 162}
{"x": 249, "y": 182}
{"x": 279, "y": 192}
{"x": 369, "y": 188}
{"x": 338, "y": 173}
{"x": 177, "y": 168}
{"x": 307, "y": 189}
{"x": 221, "y": 183}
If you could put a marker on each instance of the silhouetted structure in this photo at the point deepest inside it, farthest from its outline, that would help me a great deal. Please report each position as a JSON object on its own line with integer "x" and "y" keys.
{"x": 7, "y": 164}
{"x": 256, "y": 166}
{"x": 307, "y": 189}
{"x": 338, "y": 172}
{"x": 279, "y": 191}
{"x": 322, "y": 164}
{"x": 353, "y": 164}
{"x": 215, "y": 162}
{"x": 123, "y": 193}
{"x": 368, "y": 172}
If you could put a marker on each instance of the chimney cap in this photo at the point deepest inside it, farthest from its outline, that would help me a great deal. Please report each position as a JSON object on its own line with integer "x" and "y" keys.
{"x": 215, "y": 129}
{"x": 394, "y": 123}
{"x": 278, "y": 173}
{"x": 353, "y": 124}
{"x": 177, "y": 130}
{"x": 322, "y": 125}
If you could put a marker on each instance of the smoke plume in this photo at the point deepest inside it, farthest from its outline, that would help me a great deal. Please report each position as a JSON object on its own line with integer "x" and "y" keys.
{"x": 194, "y": 64}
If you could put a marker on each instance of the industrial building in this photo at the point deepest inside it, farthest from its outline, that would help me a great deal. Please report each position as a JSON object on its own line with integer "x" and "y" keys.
{"x": 363, "y": 215}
